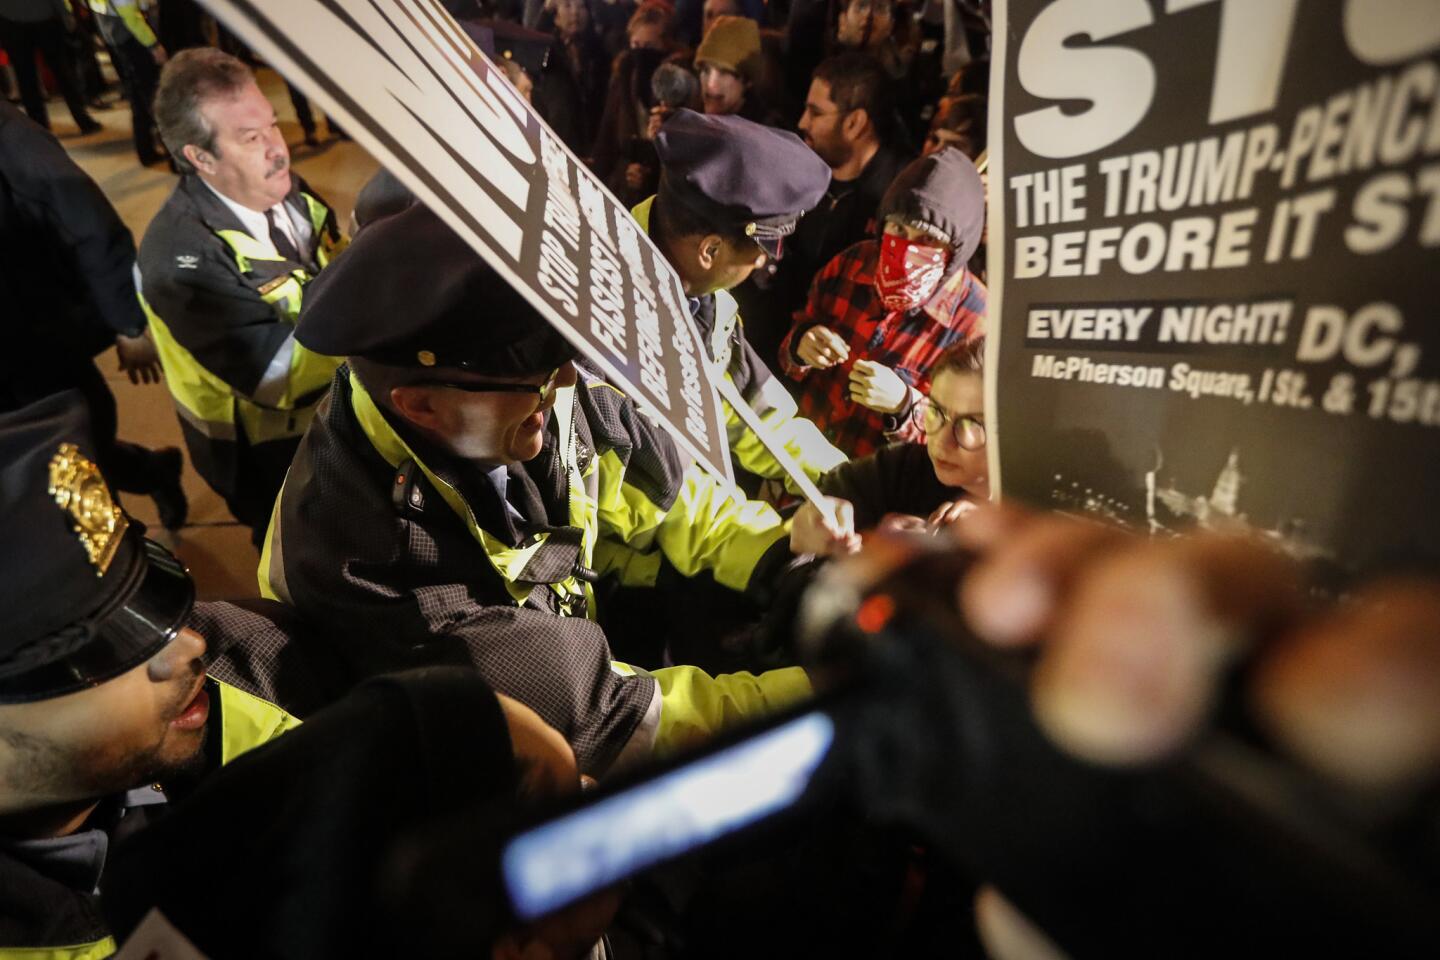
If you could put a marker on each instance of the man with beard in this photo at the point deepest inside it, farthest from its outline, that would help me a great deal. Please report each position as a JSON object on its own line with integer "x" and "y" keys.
{"x": 881, "y": 313}
{"x": 115, "y": 727}
{"x": 849, "y": 121}
{"x": 102, "y": 688}
{"x": 224, "y": 265}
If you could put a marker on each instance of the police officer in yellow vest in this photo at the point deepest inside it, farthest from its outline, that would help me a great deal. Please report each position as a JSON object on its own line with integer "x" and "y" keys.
{"x": 117, "y": 736}
{"x": 104, "y": 700}
{"x": 224, "y": 266}
{"x": 446, "y": 503}
{"x": 731, "y": 191}
{"x": 136, "y": 54}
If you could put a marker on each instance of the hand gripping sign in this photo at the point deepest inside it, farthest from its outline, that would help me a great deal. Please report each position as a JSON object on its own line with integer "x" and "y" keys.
{"x": 412, "y": 88}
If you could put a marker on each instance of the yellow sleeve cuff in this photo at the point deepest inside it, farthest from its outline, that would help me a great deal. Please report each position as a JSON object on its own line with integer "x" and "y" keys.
{"x": 695, "y": 706}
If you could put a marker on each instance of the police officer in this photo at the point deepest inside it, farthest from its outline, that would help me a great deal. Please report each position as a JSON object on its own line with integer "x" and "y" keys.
{"x": 224, "y": 266}
{"x": 102, "y": 688}
{"x": 67, "y": 280}
{"x": 113, "y": 735}
{"x": 446, "y": 503}
{"x": 136, "y": 53}
{"x": 731, "y": 191}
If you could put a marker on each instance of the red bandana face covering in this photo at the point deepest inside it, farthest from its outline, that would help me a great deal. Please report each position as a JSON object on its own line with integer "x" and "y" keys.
{"x": 909, "y": 272}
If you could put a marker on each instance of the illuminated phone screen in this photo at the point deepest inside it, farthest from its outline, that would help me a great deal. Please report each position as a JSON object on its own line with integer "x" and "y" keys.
{"x": 598, "y": 845}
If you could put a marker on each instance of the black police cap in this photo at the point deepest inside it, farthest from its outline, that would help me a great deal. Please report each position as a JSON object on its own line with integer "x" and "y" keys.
{"x": 84, "y": 596}
{"x": 742, "y": 174}
{"x": 409, "y": 292}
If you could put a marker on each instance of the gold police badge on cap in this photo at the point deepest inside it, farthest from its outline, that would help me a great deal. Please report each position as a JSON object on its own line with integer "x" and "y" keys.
{"x": 80, "y": 490}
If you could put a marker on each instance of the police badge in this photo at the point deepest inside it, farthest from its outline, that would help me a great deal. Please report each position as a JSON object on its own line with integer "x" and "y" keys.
{"x": 79, "y": 489}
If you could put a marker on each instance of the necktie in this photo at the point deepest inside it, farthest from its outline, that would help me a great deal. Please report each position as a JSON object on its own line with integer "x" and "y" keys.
{"x": 280, "y": 239}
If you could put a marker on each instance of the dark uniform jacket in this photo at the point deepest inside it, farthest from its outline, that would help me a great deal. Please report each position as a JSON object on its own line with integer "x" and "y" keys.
{"x": 411, "y": 557}
{"x": 302, "y": 831}
{"x": 717, "y": 318}
{"x": 222, "y": 310}
{"x": 49, "y": 903}
{"x": 66, "y": 260}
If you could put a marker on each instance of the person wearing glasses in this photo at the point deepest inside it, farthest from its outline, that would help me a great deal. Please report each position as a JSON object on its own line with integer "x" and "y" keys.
{"x": 882, "y": 312}
{"x": 910, "y": 486}
{"x": 447, "y": 502}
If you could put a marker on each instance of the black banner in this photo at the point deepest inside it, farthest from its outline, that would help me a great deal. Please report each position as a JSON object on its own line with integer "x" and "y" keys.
{"x": 1216, "y": 268}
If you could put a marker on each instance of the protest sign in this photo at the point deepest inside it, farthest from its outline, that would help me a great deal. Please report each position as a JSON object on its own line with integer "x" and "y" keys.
{"x": 1213, "y": 252}
{"x": 407, "y": 83}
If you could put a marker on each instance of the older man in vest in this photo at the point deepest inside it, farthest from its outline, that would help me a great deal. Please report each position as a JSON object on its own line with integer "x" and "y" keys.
{"x": 223, "y": 266}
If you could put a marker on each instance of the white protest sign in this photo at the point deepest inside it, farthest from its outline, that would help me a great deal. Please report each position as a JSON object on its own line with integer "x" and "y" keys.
{"x": 410, "y": 86}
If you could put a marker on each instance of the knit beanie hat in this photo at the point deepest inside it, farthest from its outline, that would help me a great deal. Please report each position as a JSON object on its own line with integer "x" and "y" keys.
{"x": 733, "y": 43}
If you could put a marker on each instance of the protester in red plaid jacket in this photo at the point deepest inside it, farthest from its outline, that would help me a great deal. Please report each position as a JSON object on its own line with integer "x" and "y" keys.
{"x": 881, "y": 312}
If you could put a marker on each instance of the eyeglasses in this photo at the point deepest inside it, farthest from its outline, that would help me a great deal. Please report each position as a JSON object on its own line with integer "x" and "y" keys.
{"x": 543, "y": 390}
{"x": 967, "y": 429}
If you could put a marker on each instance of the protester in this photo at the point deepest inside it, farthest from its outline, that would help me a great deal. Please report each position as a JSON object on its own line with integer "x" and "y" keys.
{"x": 883, "y": 311}
{"x": 583, "y": 57}
{"x": 872, "y": 27}
{"x": 959, "y": 122}
{"x": 67, "y": 267}
{"x": 651, "y": 27}
{"x": 849, "y": 123}
{"x": 913, "y": 487}
{"x": 224, "y": 266}
{"x": 731, "y": 69}
{"x": 624, "y": 156}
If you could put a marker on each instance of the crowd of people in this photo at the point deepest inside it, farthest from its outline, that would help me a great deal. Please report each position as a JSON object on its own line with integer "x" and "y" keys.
{"x": 484, "y": 574}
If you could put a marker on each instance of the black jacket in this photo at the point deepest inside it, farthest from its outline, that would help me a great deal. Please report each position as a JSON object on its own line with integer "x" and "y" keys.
{"x": 402, "y": 583}
{"x": 898, "y": 478}
{"x": 292, "y": 840}
{"x": 47, "y": 888}
{"x": 191, "y": 280}
{"x": 66, "y": 259}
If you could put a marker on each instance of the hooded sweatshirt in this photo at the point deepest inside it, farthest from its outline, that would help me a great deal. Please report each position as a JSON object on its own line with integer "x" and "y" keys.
{"x": 943, "y": 193}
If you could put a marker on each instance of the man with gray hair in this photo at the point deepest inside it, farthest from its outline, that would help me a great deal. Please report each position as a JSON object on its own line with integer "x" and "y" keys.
{"x": 223, "y": 267}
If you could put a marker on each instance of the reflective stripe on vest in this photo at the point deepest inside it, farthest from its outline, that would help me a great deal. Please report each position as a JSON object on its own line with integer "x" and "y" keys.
{"x": 203, "y": 399}
{"x": 328, "y": 247}
{"x": 508, "y": 561}
{"x": 209, "y": 404}
{"x": 247, "y": 722}
{"x": 80, "y": 951}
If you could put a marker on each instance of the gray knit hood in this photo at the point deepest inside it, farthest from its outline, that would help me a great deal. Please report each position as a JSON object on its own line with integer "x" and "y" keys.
{"x": 942, "y": 191}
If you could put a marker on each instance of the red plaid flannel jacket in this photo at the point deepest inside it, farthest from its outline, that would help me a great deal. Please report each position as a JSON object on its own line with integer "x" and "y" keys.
{"x": 843, "y": 298}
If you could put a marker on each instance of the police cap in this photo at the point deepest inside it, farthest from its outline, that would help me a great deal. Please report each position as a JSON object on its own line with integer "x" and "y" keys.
{"x": 739, "y": 173}
{"x": 85, "y": 596}
{"x": 409, "y": 292}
